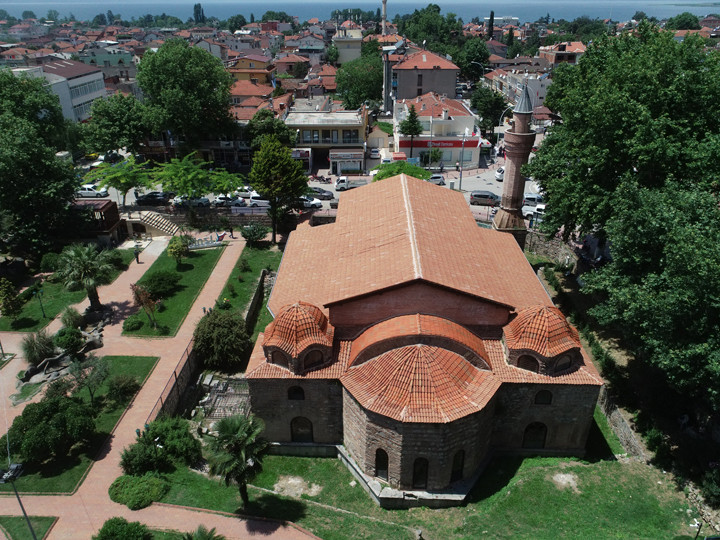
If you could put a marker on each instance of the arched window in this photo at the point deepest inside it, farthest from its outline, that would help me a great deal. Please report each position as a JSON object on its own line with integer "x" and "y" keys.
{"x": 381, "y": 464}
{"x": 528, "y": 362}
{"x": 296, "y": 393}
{"x": 543, "y": 397}
{"x": 563, "y": 363}
{"x": 420, "y": 473}
{"x": 534, "y": 436}
{"x": 279, "y": 358}
{"x": 457, "y": 466}
{"x": 301, "y": 430}
{"x": 313, "y": 358}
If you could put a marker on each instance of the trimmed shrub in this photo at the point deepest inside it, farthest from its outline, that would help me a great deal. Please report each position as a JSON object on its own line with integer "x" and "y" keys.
{"x": 133, "y": 322}
{"x": 122, "y": 387}
{"x": 137, "y": 492}
{"x": 254, "y": 233}
{"x": 71, "y": 318}
{"x": 222, "y": 341}
{"x": 37, "y": 347}
{"x": 49, "y": 262}
{"x": 176, "y": 439}
{"x": 117, "y": 528}
{"x": 161, "y": 284}
{"x": 69, "y": 340}
{"x": 144, "y": 457}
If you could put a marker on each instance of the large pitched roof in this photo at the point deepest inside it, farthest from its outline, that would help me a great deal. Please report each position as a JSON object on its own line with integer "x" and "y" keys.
{"x": 424, "y": 60}
{"x": 398, "y": 231}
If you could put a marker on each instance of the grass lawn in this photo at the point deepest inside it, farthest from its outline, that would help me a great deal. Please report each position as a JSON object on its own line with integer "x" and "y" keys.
{"x": 516, "y": 497}
{"x": 17, "y": 528}
{"x": 241, "y": 284}
{"x": 194, "y": 271}
{"x": 55, "y": 298}
{"x": 63, "y": 475}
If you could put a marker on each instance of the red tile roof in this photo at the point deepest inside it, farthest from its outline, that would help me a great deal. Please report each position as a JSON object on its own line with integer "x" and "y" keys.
{"x": 297, "y": 327}
{"x": 425, "y": 60}
{"x": 260, "y": 368}
{"x": 543, "y": 329}
{"x": 432, "y": 104}
{"x": 248, "y": 88}
{"x": 398, "y": 231}
{"x": 420, "y": 383}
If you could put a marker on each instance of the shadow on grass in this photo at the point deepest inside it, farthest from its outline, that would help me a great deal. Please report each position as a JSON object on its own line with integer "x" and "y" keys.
{"x": 497, "y": 476}
{"x": 597, "y": 448}
{"x": 272, "y": 507}
{"x": 22, "y": 323}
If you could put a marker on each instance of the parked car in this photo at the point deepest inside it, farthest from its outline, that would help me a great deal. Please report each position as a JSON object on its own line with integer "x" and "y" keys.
{"x": 437, "y": 179}
{"x": 246, "y": 192}
{"x": 532, "y": 199}
{"x": 322, "y": 194}
{"x": 484, "y": 198}
{"x": 256, "y": 201}
{"x": 534, "y": 212}
{"x": 153, "y": 198}
{"x": 91, "y": 190}
{"x": 374, "y": 153}
{"x": 343, "y": 183}
{"x": 500, "y": 174}
{"x": 184, "y": 200}
{"x": 224, "y": 200}
{"x": 308, "y": 202}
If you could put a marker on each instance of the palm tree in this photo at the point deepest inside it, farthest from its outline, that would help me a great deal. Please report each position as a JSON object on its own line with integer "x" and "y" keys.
{"x": 203, "y": 533}
{"x": 237, "y": 451}
{"x": 84, "y": 266}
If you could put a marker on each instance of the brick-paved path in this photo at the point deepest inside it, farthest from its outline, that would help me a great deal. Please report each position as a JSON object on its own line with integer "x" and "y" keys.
{"x": 83, "y": 513}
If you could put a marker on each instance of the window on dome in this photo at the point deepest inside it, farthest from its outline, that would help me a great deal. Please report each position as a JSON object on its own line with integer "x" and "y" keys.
{"x": 313, "y": 358}
{"x": 543, "y": 397}
{"x": 529, "y": 363}
{"x": 563, "y": 363}
{"x": 381, "y": 464}
{"x": 279, "y": 359}
{"x": 296, "y": 393}
{"x": 420, "y": 473}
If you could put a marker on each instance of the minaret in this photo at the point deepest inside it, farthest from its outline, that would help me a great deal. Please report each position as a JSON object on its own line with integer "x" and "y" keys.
{"x": 518, "y": 144}
{"x": 384, "y": 16}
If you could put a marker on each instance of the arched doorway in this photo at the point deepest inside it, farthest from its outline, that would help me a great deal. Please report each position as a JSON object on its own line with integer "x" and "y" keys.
{"x": 534, "y": 436}
{"x": 381, "y": 464}
{"x": 457, "y": 466}
{"x": 420, "y": 473}
{"x": 301, "y": 430}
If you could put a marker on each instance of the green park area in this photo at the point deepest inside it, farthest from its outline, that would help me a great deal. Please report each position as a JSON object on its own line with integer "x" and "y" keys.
{"x": 16, "y": 527}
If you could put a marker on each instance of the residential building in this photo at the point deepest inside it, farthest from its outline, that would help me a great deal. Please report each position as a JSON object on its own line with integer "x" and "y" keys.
{"x": 253, "y": 67}
{"x": 422, "y": 72}
{"x": 566, "y": 51}
{"x": 348, "y": 42}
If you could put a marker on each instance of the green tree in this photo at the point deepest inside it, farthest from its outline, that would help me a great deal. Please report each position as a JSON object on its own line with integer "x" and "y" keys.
{"x": 52, "y": 15}
{"x": 276, "y": 16}
{"x": 360, "y": 80}
{"x": 411, "y": 127}
{"x": 27, "y": 14}
{"x": 489, "y": 105}
{"x": 386, "y": 170}
{"x": 188, "y": 176}
{"x": 117, "y": 122}
{"x": 142, "y": 298}
{"x": 90, "y": 374}
{"x": 237, "y": 452}
{"x": 639, "y": 16}
{"x": 491, "y": 26}
{"x": 278, "y": 177}
{"x": 264, "y": 124}
{"x": 472, "y": 58}
{"x": 443, "y": 35}
{"x": 178, "y": 248}
{"x": 617, "y": 127}
{"x": 198, "y": 14}
{"x": 123, "y": 176}
{"x": 683, "y": 21}
{"x": 236, "y": 22}
{"x": 10, "y": 303}
{"x": 332, "y": 54}
{"x": 84, "y": 266}
{"x": 99, "y": 20}
{"x": 187, "y": 91}
{"x": 300, "y": 70}
{"x": 203, "y": 533}
{"x": 222, "y": 341}
{"x": 118, "y": 527}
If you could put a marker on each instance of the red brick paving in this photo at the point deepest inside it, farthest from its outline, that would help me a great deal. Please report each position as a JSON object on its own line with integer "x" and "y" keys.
{"x": 83, "y": 513}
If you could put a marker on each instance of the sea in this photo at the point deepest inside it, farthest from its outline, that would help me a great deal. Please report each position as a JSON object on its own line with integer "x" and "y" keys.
{"x": 524, "y": 10}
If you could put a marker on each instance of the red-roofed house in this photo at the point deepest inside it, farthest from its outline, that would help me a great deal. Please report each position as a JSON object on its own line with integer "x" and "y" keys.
{"x": 416, "y": 345}
{"x": 566, "y": 51}
{"x": 422, "y": 72}
{"x": 287, "y": 63}
{"x": 253, "y": 67}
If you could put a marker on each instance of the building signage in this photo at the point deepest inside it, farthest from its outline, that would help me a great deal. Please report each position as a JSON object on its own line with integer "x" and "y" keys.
{"x": 453, "y": 143}
{"x": 346, "y": 155}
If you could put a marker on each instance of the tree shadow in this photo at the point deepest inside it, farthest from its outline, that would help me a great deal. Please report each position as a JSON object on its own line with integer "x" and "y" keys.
{"x": 121, "y": 310}
{"x": 497, "y": 475}
{"x": 184, "y": 267}
{"x": 22, "y": 323}
{"x": 274, "y": 507}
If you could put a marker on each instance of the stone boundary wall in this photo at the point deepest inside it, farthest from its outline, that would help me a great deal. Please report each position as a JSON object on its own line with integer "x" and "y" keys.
{"x": 253, "y": 309}
{"x": 554, "y": 248}
{"x": 182, "y": 377}
{"x": 620, "y": 426}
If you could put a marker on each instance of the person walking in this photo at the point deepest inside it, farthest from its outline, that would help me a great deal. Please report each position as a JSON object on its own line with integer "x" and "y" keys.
{"x": 137, "y": 254}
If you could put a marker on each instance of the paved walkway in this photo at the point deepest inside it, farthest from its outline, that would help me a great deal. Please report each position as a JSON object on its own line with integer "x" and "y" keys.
{"x": 83, "y": 513}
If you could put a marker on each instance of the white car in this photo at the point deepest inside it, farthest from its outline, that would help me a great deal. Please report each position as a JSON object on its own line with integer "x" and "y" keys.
{"x": 309, "y": 202}
{"x": 183, "y": 200}
{"x": 256, "y": 201}
{"x": 374, "y": 153}
{"x": 224, "y": 200}
{"x": 534, "y": 212}
{"x": 437, "y": 179}
{"x": 500, "y": 174}
{"x": 246, "y": 192}
{"x": 91, "y": 190}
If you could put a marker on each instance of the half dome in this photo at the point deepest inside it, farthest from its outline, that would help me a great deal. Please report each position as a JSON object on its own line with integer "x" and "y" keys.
{"x": 297, "y": 327}
{"x": 542, "y": 329}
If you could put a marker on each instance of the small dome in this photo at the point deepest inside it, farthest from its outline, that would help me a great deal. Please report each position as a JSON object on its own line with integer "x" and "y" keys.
{"x": 296, "y": 327}
{"x": 542, "y": 329}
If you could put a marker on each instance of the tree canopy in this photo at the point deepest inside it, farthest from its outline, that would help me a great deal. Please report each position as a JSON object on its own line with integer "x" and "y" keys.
{"x": 123, "y": 176}
{"x": 187, "y": 91}
{"x": 443, "y": 35}
{"x": 683, "y": 21}
{"x": 236, "y": 22}
{"x": 474, "y": 52}
{"x": 117, "y": 122}
{"x": 264, "y": 124}
{"x": 489, "y": 105}
{"x": 222, "y": 341}
{"x": 360, "y": 80}
{"x": 411, "y": 126}
{"x": 188, "y": 176}
{"x": 386, "y": 170}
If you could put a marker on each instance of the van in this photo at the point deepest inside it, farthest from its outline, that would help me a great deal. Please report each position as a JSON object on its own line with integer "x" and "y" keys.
{"x": 532, "y": 199}
{"x": 484, "y": 198}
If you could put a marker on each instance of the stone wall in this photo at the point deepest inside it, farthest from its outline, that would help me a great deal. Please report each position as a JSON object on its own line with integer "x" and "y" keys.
{"x": 553, "y": 248}
{"x": 568, "y": 417}
{"x": 620, "y": 426}
{"x": 322, "y": 406}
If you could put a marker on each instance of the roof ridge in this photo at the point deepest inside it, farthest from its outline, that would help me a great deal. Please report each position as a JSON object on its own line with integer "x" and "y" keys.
{"x": 436, "y": 403}
{"x": 417, "y": 266}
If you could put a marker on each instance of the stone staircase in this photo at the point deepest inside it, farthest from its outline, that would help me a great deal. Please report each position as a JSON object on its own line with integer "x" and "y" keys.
{"x": 153, "y": 219}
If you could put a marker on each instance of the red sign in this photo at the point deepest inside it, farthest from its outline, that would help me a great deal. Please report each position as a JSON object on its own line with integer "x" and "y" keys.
{"x": 439, "y": 143}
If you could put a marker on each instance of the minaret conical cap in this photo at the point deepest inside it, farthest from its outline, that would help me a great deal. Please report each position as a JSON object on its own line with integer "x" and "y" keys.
{"x": 524, "y": 104}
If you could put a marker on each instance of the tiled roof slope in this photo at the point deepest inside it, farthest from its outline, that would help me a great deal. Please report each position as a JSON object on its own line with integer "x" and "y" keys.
{"x": 400, "y": 230}
{"x": 297, "y": 327}
{"x": 424, "y": 60}
{"x": 417, "y": 325}
{"x": 420, "y": 383}
{"x": 260, "y": 368}
{"x": 543, "y": 329}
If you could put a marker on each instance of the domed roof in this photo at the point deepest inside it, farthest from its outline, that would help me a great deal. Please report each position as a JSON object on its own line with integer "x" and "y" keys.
{"x": 296, "y": 327}
{"x": 542, "y": 329}
{"x": 420, "y": 383}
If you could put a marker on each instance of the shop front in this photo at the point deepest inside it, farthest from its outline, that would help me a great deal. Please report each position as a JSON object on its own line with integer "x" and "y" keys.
{"x": 305, "y": 156}
{"x": 347, "y": 161}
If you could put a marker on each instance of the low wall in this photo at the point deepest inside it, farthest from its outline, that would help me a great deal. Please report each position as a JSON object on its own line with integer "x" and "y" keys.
{"x": 183, "y": 376}
{"x": 619, "y": 425}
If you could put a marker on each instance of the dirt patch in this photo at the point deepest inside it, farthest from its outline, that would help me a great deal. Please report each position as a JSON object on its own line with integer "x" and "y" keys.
{"x": 563, "y": 480}
{"x": 294, "y": 486}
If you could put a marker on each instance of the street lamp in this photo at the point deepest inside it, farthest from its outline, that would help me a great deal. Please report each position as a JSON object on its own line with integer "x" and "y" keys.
{"x": 11, "y": 475}
{"x": 39, "y": 294}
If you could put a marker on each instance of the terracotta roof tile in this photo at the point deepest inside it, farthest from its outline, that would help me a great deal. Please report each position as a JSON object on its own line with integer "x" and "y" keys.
{"x": 424, "y": 60}
{"x": 543, "y": 329}
{"x": 298, "y": 326}
{"x": 260, "y": 368}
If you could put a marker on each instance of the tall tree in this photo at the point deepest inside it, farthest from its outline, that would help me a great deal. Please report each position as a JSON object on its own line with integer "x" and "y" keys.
{"x": 411, "y": 127}
{"x": 123, "y": 176}
{"x": 222, "y": 341}
{"x": 264, "y": 124}
{"x": 683, "y": 21}
{"x": 489, "y": 105}
{"x": 10, "y": 303}
{"x": 52, "y": 15}
{"x": 188, "y": 92}
{"x": 189, "y": 176}
{"x": 472, "y": 58}
{"x": 236, "y": 22}
{"x": 84, "y": 266}
{"x": 198, "y": 14}
{"x": 27, "y": 14}
{"x": 237, "y": 452}
{"x": 491, "y": 26}
{"x": 90, "y": 375}
{"x": 332, "y": 54}
{"x": 278, "y": 177}
{"x": 360, "y": 80}
{"x": 117, "y": 122}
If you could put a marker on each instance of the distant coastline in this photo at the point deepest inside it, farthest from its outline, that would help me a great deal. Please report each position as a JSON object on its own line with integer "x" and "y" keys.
{"x": 527, "y": 10}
